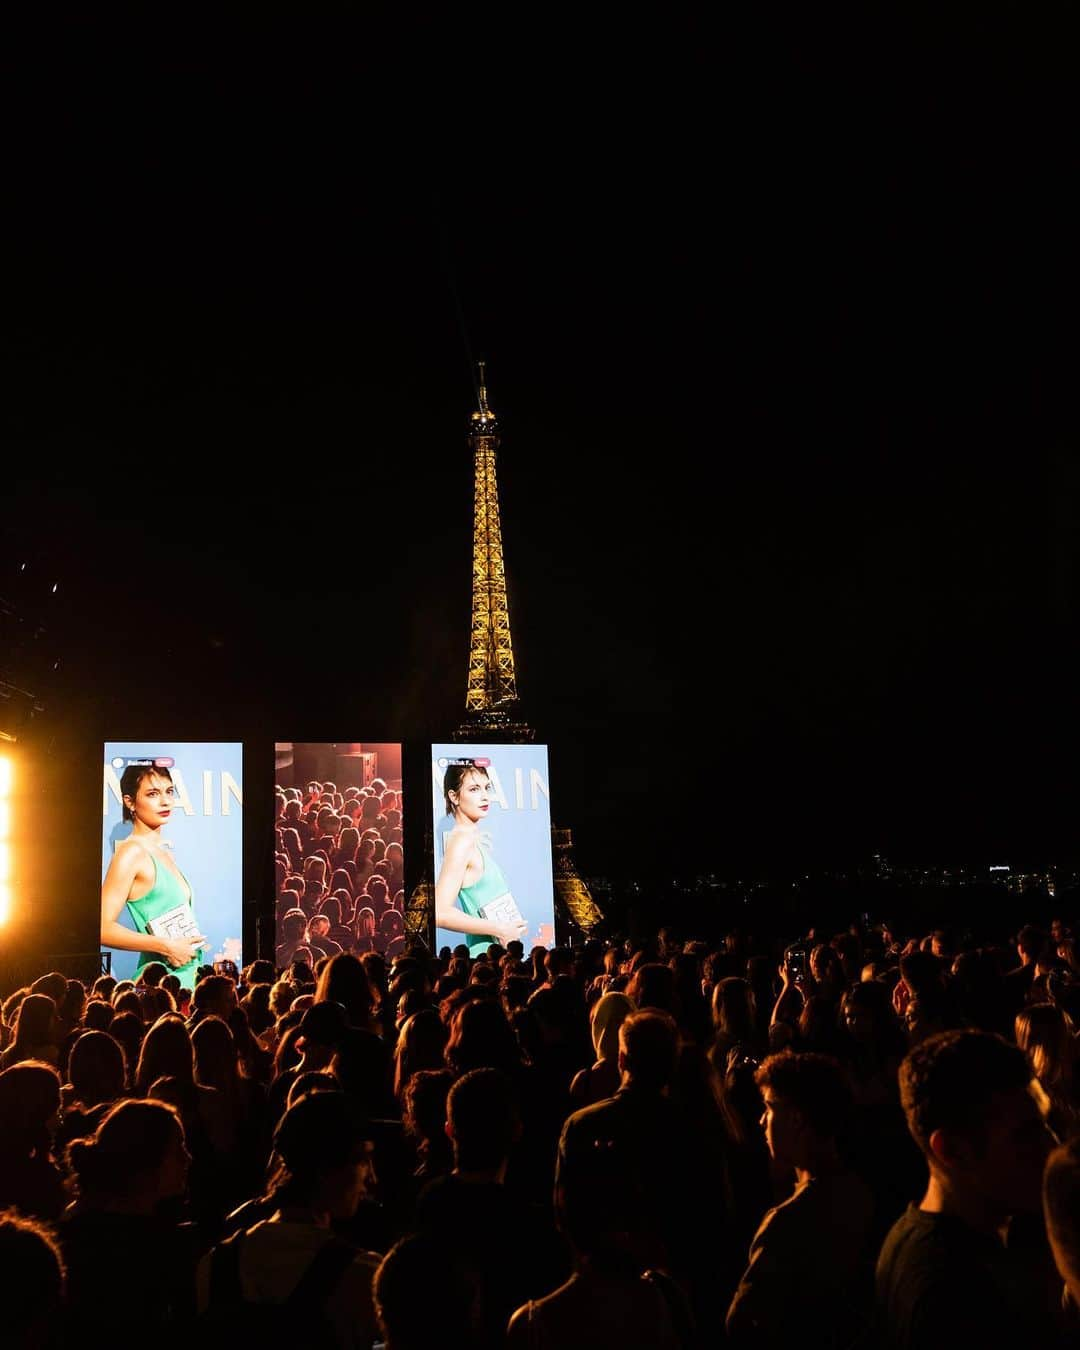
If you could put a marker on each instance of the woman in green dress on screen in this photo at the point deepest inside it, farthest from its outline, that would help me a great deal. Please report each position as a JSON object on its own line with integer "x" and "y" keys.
{"x": 470, "y": 883}
{"x": 143, "y": 876}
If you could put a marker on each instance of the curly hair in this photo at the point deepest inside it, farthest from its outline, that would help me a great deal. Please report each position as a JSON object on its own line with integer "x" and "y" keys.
{"x": 815, "y": 1085}
{"x": 949, "y": 1082}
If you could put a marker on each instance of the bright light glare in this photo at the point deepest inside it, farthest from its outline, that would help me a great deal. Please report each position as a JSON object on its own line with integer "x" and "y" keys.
{"x": 6, "y": 776}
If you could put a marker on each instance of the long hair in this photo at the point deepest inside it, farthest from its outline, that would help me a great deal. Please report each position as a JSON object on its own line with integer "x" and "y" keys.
{"x": 344, "y": 980}
{"x": 1044, "y": 1034}
{"x": 29, "y": 1097}
{"x": 36, "y": 1024}
{"x": 421, "y": 1045}
{"x": 215, "y": 1056}
{"x": 733, "y": 1010}
{"x": 166, "y": 1052}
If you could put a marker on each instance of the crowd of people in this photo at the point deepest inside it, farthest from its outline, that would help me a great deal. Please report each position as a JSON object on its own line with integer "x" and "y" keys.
{"x": 339, "y": 871}
{"x": 853, "y": 1140}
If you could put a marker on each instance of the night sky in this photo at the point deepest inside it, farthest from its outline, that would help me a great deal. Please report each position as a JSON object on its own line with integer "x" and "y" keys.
{"x": 779, "y": 316}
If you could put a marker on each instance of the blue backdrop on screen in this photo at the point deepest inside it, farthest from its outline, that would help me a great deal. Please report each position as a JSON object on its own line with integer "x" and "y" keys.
{"x": 205, "y": 831}
{"x": 518, "y": 827}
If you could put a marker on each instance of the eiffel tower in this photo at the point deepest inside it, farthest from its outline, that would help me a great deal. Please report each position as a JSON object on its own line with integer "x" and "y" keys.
{"x": 491, "y": 698}
{"x": 570, "y": 891}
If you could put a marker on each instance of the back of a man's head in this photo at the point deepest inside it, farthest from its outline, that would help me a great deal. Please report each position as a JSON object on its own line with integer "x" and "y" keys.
{"x": 1030, "y": 941}
{"x": 482, "y": 1114}
{"x": 558, "y": 961}
{"x": 423, "y": 1298}
{"x": 922, "y": 972}
{"x": 951, "y": 1082}
{"x": 652, "y": 986}
{"x": 599, "y": 1199}
{"x": 214, "y": 994}
{"x": 647, "y": 1046}
{"x": 152, "y": 974}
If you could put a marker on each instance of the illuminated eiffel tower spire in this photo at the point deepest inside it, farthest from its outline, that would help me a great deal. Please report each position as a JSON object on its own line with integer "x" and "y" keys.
{"x": 491, "y": 694}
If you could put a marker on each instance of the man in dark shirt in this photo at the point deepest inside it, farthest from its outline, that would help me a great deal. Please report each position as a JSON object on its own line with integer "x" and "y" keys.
{"x": 945, "y": 1276}
{"x": 810, "y": 1260}
{"x": 507, "y": 1249}
{"x": 646, "y": 1136}
{"x": 1030, "y": 945}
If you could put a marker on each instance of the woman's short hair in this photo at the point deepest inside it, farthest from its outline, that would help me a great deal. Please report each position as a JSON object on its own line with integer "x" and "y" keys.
{"x": 130, "y": 780}
{"x": 454, "y": 777}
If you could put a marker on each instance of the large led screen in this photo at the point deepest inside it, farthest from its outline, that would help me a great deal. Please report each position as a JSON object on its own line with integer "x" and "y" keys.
{"x": 492, "y": 842}
{"x": 172, "y": 855}
{"x": 338, "y": 859}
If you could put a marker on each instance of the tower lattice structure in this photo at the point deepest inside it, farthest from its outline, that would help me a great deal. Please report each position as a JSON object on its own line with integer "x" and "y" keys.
{"x": 491, "y": 697}
{"x": 570, "y": 890}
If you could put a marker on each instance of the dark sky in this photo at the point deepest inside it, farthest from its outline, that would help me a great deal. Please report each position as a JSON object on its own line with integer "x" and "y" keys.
{"x": 780, "y": 322}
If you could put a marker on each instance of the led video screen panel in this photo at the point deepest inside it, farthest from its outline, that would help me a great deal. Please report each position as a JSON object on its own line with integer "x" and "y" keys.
{"x": 492, "y": 845}
{"x": 172, "y": 855}
{"x": 338, "y": 858}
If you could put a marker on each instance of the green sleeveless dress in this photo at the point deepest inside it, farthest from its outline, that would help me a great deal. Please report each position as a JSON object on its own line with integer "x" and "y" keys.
{"x": 165, "y": 894}
{"x": 490, "y": 886}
